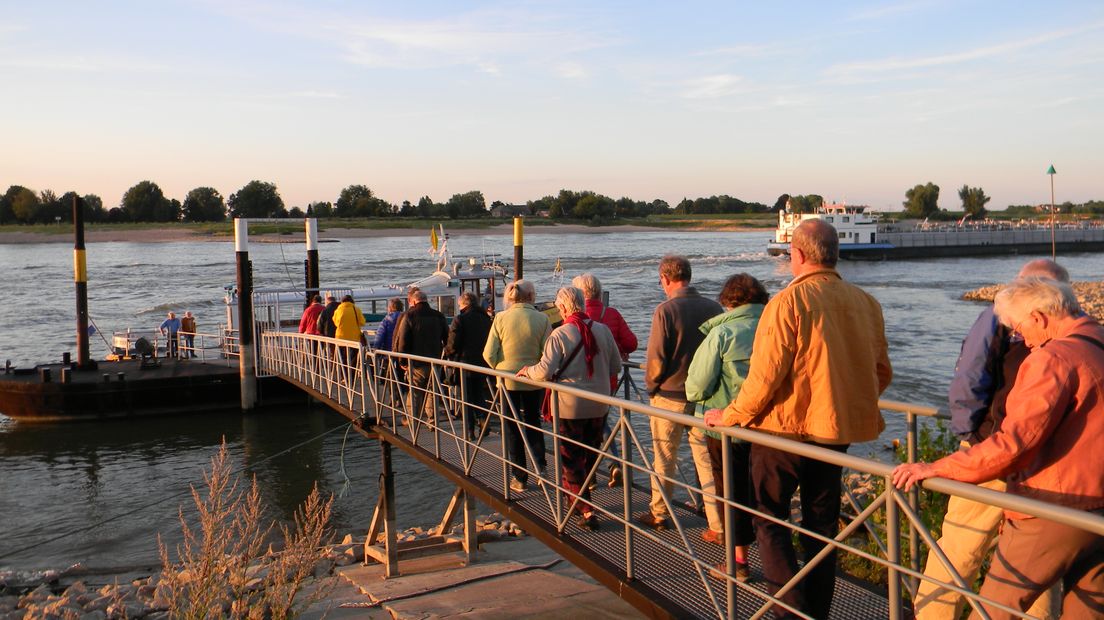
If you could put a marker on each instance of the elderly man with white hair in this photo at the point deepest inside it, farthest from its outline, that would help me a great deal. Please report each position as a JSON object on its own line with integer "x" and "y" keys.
{"x": 1047, "y": 448}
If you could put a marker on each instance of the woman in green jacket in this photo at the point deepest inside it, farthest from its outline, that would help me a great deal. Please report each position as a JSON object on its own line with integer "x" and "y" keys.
{"x": 716, "y": 373}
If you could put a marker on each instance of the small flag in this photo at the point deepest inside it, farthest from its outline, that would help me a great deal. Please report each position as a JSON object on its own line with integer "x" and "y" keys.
{"x": 433, "y": 238}
{"x": 91, "y": 329}
{"x": 558, "y": 269}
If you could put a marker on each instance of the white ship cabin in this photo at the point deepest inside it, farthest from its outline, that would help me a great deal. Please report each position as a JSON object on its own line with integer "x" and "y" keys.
{"x": 853, "y": 224}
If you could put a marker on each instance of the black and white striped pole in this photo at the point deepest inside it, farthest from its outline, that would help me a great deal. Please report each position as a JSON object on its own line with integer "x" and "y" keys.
{"x": 312, "y": 260}
{"x": 247, "y": 369}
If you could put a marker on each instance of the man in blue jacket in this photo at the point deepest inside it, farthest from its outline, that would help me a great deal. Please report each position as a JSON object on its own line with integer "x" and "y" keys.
{"x": 991, "y": 355}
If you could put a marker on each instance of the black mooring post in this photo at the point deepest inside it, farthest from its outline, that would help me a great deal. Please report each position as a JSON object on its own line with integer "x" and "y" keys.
{"x": 80, "y": 277}
{"x": 391, "y": 567}
{"x": 312, "y": 260}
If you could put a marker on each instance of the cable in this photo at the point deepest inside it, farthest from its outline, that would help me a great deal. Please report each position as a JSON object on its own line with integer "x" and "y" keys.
{"x": 162, "y": 500}
{"x": 284, "y": 258}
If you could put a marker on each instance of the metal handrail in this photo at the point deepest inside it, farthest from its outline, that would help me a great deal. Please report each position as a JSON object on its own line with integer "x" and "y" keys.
{"x": 311, "y": 360}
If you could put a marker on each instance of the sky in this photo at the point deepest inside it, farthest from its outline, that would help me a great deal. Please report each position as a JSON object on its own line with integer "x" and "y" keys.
{"x": 855, "y": 101}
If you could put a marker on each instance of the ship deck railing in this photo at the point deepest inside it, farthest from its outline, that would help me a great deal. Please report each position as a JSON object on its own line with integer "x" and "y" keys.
{"x": 663, "y": 573}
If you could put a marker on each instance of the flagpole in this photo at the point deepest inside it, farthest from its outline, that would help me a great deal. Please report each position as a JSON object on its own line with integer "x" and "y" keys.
{"x": 1053, "y": 246}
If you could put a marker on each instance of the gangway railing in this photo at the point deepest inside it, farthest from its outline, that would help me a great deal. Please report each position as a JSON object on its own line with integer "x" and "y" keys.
{"x": 669, "y": 572}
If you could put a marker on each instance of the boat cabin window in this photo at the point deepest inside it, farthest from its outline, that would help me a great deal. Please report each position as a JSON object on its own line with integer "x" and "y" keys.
{"x": 846, "y": 219}
{"x": 828, "y": 219}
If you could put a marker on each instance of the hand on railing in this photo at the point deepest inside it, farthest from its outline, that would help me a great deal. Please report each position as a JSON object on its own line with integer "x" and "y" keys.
{"x": 907, "y": 475}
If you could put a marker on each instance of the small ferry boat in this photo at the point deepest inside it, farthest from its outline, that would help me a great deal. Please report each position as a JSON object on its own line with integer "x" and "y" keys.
{"x": 862, "y": 236}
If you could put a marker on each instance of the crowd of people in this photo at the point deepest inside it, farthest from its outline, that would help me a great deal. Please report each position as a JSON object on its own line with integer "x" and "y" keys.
{"x": 809, "y": 364}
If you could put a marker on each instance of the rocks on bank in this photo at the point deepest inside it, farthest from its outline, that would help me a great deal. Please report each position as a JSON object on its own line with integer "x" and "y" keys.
{"x": 72, "y": 595}
{"x": 1090, "y": 294}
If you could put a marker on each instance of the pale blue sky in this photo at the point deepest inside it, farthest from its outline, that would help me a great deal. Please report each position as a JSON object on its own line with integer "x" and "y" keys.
{"x": 856, "y": 101}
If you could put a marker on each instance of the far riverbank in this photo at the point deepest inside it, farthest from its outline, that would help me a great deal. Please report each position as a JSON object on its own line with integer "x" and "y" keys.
{"x": 168, "y": 234}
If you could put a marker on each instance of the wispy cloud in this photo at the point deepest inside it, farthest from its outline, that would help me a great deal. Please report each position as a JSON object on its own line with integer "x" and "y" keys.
{"x": 712, "y": 86}
{"x": 79, "y": 63}
{"x": 572, "y": 71}
{"x": 893, "y": 10}
{"x": 860, "y": 70}
{"x": 487, "y": 40}
{"x": 741, "y": 51}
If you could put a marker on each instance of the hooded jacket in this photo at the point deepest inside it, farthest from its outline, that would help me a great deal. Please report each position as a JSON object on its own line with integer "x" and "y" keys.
{"x": 721, "y": 363}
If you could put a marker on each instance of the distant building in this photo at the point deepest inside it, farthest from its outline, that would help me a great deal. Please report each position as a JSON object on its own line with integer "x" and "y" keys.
{"x": 504, "y": 210}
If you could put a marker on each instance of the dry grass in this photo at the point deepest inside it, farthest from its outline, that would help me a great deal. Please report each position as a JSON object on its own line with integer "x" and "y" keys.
{"x": 221, "y": 569}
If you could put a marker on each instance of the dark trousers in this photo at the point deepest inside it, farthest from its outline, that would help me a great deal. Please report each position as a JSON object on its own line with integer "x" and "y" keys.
{"x": 475, "y": 400}
{"x": 577, "y": 461}
{"x": 189, "y": 343}
{"x": 419, "y": 373}
{"x": 739, "y": 460}
{"x": 528, "y": 406}
{"x": 776, "y": 475}
{"x": 172, "y": 344}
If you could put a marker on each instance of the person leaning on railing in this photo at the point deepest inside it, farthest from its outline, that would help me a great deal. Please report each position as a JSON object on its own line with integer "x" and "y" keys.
{"x": 984, "y": 375}
{"x": 717, "y": 371}
{"x": 517, "y": 339}
{"x": 819, "y": 365}
{"x": 1047, "y": 448}
{"x": 583, "y": 354}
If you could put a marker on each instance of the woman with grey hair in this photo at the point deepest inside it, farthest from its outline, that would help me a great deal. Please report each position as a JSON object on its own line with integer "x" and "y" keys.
{"x": 516, "y": 340}
{"x": 580, "y": 353}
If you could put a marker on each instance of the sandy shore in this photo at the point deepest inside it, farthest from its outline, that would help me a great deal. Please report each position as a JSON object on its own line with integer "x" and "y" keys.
{"x": 160, "y": 235}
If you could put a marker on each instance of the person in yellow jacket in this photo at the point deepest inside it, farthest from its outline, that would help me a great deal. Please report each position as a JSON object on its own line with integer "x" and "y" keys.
{"x": 818, "y": 366}
{"x": 348, "y": 319}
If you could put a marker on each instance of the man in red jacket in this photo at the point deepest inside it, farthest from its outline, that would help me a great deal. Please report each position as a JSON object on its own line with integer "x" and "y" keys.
{"x": 1047, "y": 448}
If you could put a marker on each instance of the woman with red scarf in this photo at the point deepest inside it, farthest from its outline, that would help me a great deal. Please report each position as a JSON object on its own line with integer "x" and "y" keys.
{"x": 580, "y": 353}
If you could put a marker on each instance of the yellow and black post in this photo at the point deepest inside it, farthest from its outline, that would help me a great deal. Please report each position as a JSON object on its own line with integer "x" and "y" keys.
{"x": 80, "y": 277}
{"x": 518, "y": 250}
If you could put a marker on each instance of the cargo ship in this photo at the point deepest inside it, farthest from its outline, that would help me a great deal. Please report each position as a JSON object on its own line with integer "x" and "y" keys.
{"x": 864, "y": 237}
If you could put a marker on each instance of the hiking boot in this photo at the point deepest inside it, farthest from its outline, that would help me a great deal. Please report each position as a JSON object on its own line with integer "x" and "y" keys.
{"x": 709, "y": 536}
{"x": 589, "y": 522}
{"x": 650, "y": 520}
{"x": 743, "y": 571}
{"x": 517, "y": 486}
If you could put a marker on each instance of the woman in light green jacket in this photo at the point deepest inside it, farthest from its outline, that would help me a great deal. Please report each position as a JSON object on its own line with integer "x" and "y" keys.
{"x": 716, "y": 373}
{"x": 517, "y": 340}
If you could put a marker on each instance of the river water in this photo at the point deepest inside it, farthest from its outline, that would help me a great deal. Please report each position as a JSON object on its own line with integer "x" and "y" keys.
{"x": 121, "y": 482}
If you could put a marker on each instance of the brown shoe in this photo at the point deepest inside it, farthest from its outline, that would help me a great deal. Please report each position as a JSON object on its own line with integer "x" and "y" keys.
{"x": 709, "y": 536}
{"x": 652, "y": 521}
{"x": 743, "y": 572}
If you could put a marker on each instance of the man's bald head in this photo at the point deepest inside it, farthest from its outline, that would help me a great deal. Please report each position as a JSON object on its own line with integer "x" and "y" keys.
{"x": 818, "y": 241}
{"x": 1044, "y": 268}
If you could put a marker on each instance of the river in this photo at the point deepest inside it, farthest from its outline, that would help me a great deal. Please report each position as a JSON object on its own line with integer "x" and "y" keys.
{"x": 58, "y": 478}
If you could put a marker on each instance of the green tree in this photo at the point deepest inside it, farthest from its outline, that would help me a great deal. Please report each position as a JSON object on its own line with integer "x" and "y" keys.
{"x": 594, "y": 205}
{"x": 922, "y": 200}
{"x": 806, "y": 204}
{"x": 145, "y": 202}
{"x": 469, "y": 204}
{"x": 93, "y": 208}
{"x": 354, "y": 201}
{"x": 204, "y": 204}
{"x": 973, "y": 201}
{"x": 320, "y": 209}
{"x": 425, "y": 206}
{"x": 256, "y": 199}
{"x": 24, "y": 204}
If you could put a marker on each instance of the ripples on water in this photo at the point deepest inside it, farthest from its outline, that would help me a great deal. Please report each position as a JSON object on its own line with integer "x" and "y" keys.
{"x": 57, "y": 477}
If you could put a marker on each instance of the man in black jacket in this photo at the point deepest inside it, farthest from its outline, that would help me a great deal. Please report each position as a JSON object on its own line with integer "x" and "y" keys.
{"x": 422, "y": 331}
{"x": 466, "y": 339}
{"x": 326, "y": 325}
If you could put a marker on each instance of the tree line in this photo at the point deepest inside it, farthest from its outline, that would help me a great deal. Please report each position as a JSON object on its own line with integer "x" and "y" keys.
{"x": 146, "y": 202}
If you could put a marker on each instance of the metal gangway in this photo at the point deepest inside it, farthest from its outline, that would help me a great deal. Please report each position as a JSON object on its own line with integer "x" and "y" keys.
{"x": 671, "y": 573}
